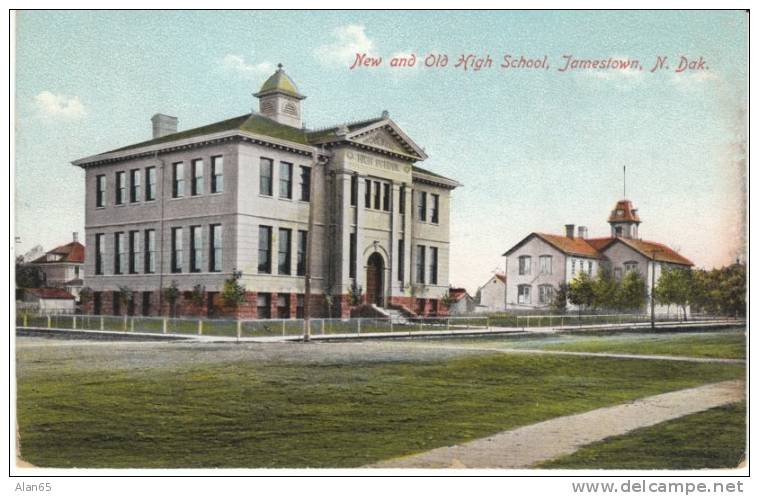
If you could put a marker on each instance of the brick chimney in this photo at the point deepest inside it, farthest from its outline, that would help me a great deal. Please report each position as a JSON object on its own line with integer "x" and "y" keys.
{"x": 582, "y": 232}
{"x": 163, "y": 124}
{"x": 76, "y": 237}
{"x": 570, "y": 230}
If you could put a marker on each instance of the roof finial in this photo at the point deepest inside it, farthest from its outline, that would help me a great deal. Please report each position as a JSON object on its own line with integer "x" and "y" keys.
{"x": 385, "y": 114}
{"x": 279, "y": 66}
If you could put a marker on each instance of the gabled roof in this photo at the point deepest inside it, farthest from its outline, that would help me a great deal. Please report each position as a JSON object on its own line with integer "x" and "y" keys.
{"x": 70, "y": 253}
{"x": 50, "y": 293}
{"x": 624, "y": 212}
{"x": 651, "y": 250}
{"x": 458, "y": 293}
{"x": 569, "y": 246}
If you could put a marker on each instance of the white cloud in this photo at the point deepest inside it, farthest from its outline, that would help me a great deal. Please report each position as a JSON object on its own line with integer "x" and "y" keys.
{"x": 348, "y": 41}
{"x": 690, "y": 79}
{"x": 238, "y": 65}
{"x": 51, "y": 105}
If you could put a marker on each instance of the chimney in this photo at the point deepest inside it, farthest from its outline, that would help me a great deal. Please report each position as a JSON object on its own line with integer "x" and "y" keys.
{"x": 163, "y": 125}
{"x": 76, "y": 237}
{"x": 570, "y": 230}
{"x": 582, "y": 232}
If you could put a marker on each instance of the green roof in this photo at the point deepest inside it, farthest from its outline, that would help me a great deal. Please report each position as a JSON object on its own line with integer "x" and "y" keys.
{"x": 331, "y": 132}
{"x": 279, "y": 81}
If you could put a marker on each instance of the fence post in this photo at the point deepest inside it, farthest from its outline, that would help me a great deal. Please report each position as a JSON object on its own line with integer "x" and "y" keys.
{"x": 487, "y": 322}
{"x": 359, "y": 326}
{"x": 131, "y": 325}
{"x": 322, "y": 326}
{"x": 562, "y": 321}
{"x": 73, "y": 325}
{"x": 49, "y": 322}
{"x": 102, "y": 323}
{"x": 239, "y": 329}
{"x": 164, "y": 325}
{"x": 26, "y": 319}
{"x": 391, "y": 325}
{"x": 200, "y": 327}
{"x": 283, "y": 328}
{"x": 420, "y": 324}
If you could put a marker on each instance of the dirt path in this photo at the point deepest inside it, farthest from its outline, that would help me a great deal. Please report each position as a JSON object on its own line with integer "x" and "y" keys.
{"x": 527, "y": 446}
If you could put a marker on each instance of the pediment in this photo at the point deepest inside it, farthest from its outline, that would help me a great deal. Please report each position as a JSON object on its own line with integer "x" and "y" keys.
{"x": 381, "y": 138}
{"x": 386, "y": 135}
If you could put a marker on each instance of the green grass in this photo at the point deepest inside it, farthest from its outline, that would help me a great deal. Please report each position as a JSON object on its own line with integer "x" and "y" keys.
{"x": 334, "y": 413}
{"x": 725, "y": 344}
{"x": 715, "y": 438}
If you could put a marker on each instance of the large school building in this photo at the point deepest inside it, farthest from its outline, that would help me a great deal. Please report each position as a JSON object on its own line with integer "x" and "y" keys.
{"x": 188, "y": 208}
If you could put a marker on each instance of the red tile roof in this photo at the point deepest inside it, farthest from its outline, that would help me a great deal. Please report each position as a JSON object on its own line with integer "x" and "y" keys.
{"x": 650, "y": 249}
{"x": 571, "y": 246}
{"x": 457, "y": 293}
{"x": 501, "y": 277}
{"x": 624, "y": 212}
{"x": 50, "y": 293}
{"x": 70, "y": 253}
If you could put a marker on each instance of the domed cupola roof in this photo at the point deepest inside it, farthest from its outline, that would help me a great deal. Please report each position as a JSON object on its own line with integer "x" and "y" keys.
{"x": 279, "y": 82}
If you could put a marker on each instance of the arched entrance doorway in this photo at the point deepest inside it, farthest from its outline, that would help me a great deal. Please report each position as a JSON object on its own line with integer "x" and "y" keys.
{"x": 374, "y": 271}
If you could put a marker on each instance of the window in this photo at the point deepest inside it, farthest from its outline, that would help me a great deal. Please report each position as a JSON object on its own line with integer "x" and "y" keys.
{"x": 301, "y": 255}
{"x": 386, "y": 197}
{"x": 377, "y": 195}
{"x": 285, "y": 180}
{"x": 433, "y": 265}
{"x": 617, "y": 231}
{"x": 264, "y": 250}
{"x": 421, "y": 207}
{"x": 401, "y": 260}
{"x": 352, "y": 248}
{"x": 420, "y": 256}
{"x": 99, "y": 253}
{"x": 434, "y": 209}
{"x": 402, "y": 200}
{"x": 196, "y": 188}
{"x": 545, "y": 294}
{"x": 177, "y": 180}
{"x": 146, "y": 303}
{"x": 150, "y": 184}
{"x": 525, "y": 265}
{"x": 134, "y": 183}
{"x": 354, "y": 190}
{"x": 216, "y": 250}
{"x": 100, "y": 191}
{"x": 120, "y": 249}
{"x": 618, "y": 273}
{"x": 631, "y": 265}
{"x": 149, "y": 251}
{"x": 573, "y": 266}
{"x": 265, "y": 186}
{"x": 196, "y": 248}
{"x": 285, "y": 251}
{"x": 134, "y": 251}
{"x": 176, "y": 249}
{"x": 263, "y": 305}
{"x": 300, "y": 302}
{"x": 590, "y": 268}
{"x": 546, "y": 264}
{"x": 368, "y": 193}
{"x": 523, "y": 294}
{"x": 582, "y": 266}
{"x": 120, "y": 187}
{"x": 305, "y": 183}
{"x": 283, "y": 306}
{"x": 217, "y": 174}
{"x": 97, "y": 303}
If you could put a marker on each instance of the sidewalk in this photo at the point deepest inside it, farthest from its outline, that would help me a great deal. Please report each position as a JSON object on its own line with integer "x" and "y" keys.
{"x": 528, "y": 446}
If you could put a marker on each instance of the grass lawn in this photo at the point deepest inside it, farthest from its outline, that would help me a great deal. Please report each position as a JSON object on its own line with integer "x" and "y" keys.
{"x": 723, "y": 344}
{"x": 715, "y": 438}
{"x": 77, "y": 407}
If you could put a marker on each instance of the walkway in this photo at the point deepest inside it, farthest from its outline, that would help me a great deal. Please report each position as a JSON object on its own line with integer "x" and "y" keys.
{"x": 528, "y": 446}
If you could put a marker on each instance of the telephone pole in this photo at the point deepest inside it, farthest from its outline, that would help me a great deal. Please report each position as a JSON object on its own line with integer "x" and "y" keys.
{"x": 653, "y": 288}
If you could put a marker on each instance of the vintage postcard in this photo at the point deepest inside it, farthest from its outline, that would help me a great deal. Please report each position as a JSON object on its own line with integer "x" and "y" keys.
{"x": 494, "y": 242}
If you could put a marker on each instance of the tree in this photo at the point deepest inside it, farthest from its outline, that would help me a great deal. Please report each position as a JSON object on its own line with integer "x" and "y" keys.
{"x": 233, "y": 293}
{"x": 171, "y": 293}
{"x": 355, "y": 294}
{"x": 559, "y": 302}
{"x": 675, "y": 287}
{"x": 198, "y": 295}
{"x": 632, "y": 292}
{"x": 85, "y": 296}
{"x": 125, "y": 298}
{"x": 29, "y": 276}
{"x": 447, "y": 300}
{"x": 605, "y": 290}
{"x": 580, "y": 291}
{"x": 732, "y": 290}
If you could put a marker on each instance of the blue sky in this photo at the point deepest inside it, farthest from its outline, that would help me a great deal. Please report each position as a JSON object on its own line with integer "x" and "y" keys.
{"x": 535, "y": 149}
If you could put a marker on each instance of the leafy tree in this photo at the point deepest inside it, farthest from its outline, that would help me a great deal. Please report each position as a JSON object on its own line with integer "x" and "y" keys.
{"x": 198, "y": 295}
{"x": 605, "y": 290}
{"x": 29, "y": 276}
{"x": 171, "y": 293}
{"x": 85, "y": 296}
{"x": 125, "y": 296}
{"x": 580, "y": 291}
{"x": 632, "y": 292}
{"x": 355, "y": 294}
{"x": 447, "y": 300}
{"x": 559, "y": 302}
{"x": 720, "y": 291}
{"x": 675, "y": 287}
{"x": 233, "y": 293}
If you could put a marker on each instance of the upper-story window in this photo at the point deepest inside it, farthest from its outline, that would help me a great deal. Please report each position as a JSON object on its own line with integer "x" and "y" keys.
{"x": 134, "y": 183}
{"x": 435, "y": 208}
{"x": 265, "y": 186}
{"x": 285, "y": 251}
{"x": 631, "y": 265}
{"x": 525, "y": 265}
{"x": 216, "y": 251}
{"x": 377, "y": 195}
{"x": 196, "y": 248}
{"x": 217, "y": 174}
{"x": 176, "y": 249}
{"x": 120, "y": 252}
{"x": 196, "y": 188}
{"x": 99, "y": 253}
{"x": 354, "y": 190}
{"x": 149, "y": 251}
{"x": 433, "y": 265}
{"x": 285, "y": 180}
{"x": 264, "y": 249}
{"x": 120, "y": 187}
{"x": 301, "y": 253}
{"x": 618, "y": 231}
{"x": 100, "y": 191}
{"x": 177, "y": 180}
{"x": 402, "y": 200}
{"x": 420, "y": 256}
{"x": 546, "y": 264}
{"x": 134, "y": 251}
{"x": 386, "y": 197}
{"x": 305, "y": 183}
{"x": 368, "y": 193}
{"x": 421, "y": 207}
{"x": 150, "y": 184}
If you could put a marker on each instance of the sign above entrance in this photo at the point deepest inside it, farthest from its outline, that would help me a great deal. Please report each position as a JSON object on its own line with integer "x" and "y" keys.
{"x": 358, "y": 160}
